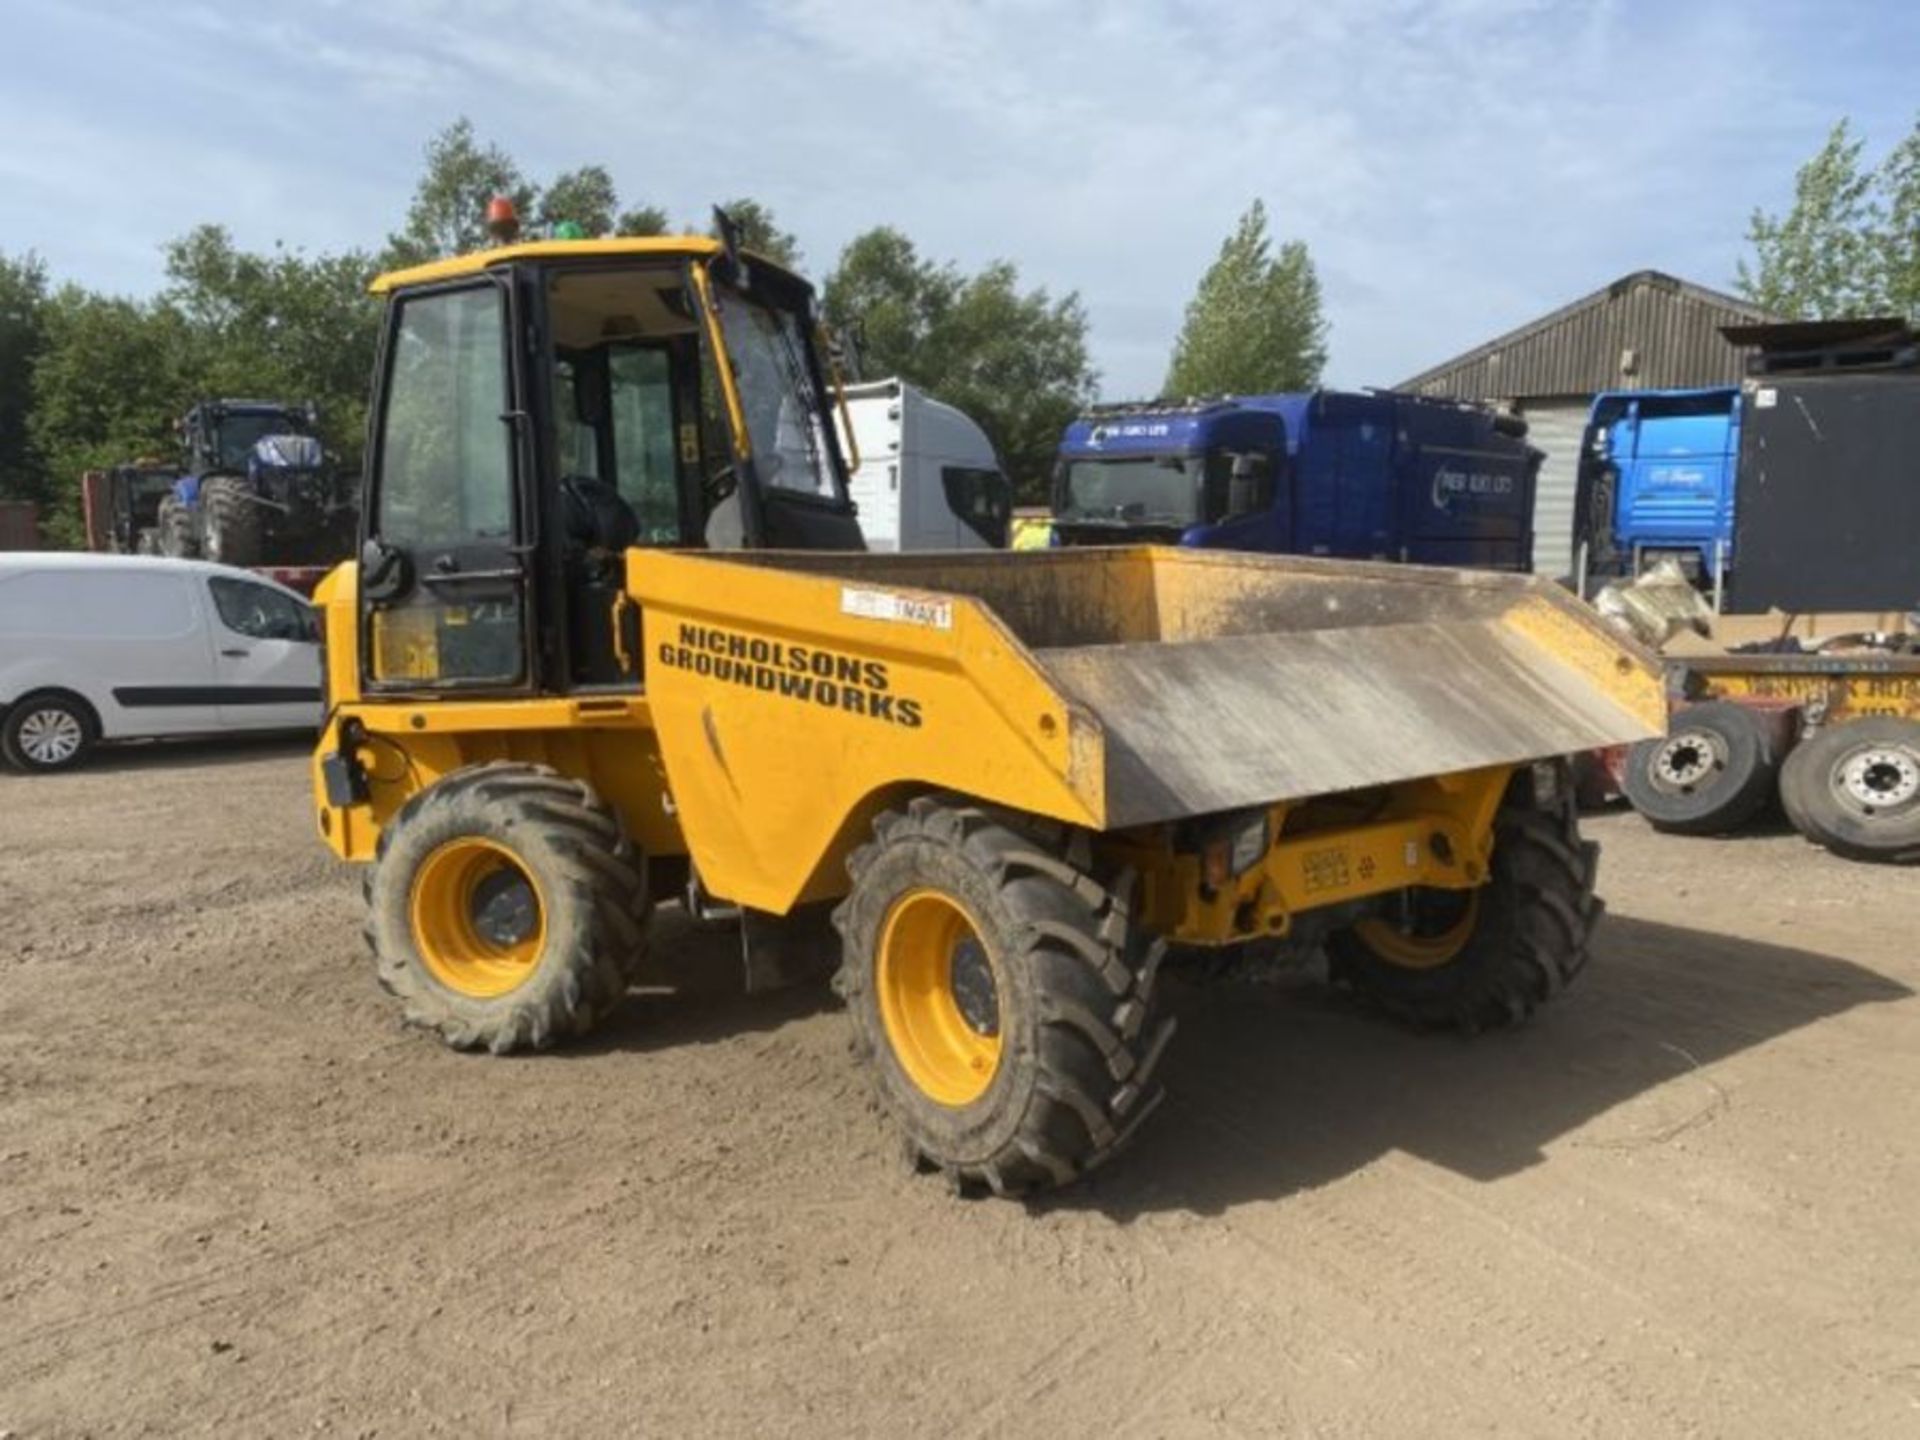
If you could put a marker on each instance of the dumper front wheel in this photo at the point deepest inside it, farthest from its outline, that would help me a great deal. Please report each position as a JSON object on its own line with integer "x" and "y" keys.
{"x": 1001, "y": 995}
{"x": 506, "y": 908}
{"x": 1475, "y": 959}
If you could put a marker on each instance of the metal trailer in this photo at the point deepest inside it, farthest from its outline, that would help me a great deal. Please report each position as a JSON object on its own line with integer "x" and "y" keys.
{"x": 1374, "y": 476}
{"x": 1835, "y": 736}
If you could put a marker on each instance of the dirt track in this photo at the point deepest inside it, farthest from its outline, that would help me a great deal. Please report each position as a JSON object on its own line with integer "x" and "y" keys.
{"x": 235, "y": 1198}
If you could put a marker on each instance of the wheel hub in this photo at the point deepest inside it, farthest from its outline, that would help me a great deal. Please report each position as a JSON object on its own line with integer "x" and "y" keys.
{"x": 504, "y": 910}
{"x": 1880, "y": 779}
{"x": 50, "y": 737}
{"x": 478, "y": 922}
{"x": 939, "y": 997}
{"x": 1687, "y": 759}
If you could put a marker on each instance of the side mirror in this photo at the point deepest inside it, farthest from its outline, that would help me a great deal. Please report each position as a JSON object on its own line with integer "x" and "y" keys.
{"x": 384, "y": 571}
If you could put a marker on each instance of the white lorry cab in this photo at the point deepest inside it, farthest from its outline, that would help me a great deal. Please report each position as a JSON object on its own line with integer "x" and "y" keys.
{"x": 121, "y": 647}
{"x": 928, "y": 478}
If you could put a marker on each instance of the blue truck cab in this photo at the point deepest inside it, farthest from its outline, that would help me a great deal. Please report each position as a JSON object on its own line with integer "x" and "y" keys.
{"x": 1658, "y": 476}
{"x": 1373, "y": 475}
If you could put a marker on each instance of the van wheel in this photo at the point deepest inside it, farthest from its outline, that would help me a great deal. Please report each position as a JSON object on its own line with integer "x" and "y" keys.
{"x": 48, "y": 732}
{"x": 506, "y": 908}
{"x": 1001, "y": 996}
{"x": 1855, "y": 788}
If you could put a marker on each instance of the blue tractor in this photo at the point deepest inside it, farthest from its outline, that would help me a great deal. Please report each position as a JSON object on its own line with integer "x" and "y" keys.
{"x": 1658, "y": 473}
{"x": 1372, "y": 475}
{"x": 257, "y": 488}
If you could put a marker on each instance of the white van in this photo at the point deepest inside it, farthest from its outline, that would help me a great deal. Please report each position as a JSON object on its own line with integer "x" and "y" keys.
{"x": 928, "y": 478}
{"x": 122, "y": 647}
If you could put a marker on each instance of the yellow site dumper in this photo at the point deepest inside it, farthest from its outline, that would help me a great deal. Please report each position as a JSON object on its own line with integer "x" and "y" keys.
{"x": 609, "y": 639}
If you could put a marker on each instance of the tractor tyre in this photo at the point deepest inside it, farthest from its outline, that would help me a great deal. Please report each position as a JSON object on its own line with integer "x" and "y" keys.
{"x": 506, "y": 908}
{"x": 1000, "y": 994}
{"x": 179, "y": 536}
{"x": 230, "y": 522}
{"x": 1474, "y": 960}
{"x": 1855, "y": 788}
{"x": 1711, "y": 773}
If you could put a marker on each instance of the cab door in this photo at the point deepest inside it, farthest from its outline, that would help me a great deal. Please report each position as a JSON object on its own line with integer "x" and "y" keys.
{"x": 443, "y": 585}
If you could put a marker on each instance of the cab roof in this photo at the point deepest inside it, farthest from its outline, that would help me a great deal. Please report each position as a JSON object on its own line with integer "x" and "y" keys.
{"x": 479, "y": 261}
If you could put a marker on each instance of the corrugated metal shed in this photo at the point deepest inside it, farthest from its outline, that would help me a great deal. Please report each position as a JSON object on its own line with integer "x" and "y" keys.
{"x": 1647, "y": 330}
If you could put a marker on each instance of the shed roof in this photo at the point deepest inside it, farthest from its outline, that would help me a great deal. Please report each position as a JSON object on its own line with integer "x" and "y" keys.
{"x": 1647, "y": 330}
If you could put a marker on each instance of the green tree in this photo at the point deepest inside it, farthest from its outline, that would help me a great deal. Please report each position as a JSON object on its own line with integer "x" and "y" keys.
{"x": 1254, "y": 324}
{"x": 584, "y": 196}
{"x": 114, "y": 375}
{"x": 1897, "y": 244}
{"x": 1819, "y": 259}
{"x": 642, "y": 220}
{"x": 1016, "y": 360}
{"x": 448, "y": 214}
{"x": 281, "y": 325}
{"x": 23, "y": 333}
{"x": 761, "y": 234}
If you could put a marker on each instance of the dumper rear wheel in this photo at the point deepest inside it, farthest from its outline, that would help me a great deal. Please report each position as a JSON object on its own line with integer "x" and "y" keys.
{"x": 1475, "y": 959}
{"x": 1855, "y": 788}
{"x": 1001, "y": 995}
{"x": 506, "y": 908}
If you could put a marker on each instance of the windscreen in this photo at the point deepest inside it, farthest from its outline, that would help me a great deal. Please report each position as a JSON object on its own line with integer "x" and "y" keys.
{"x": 238, "y": 434}
{"x": 1160, "y": 489}
{"x": 783, "y": 405}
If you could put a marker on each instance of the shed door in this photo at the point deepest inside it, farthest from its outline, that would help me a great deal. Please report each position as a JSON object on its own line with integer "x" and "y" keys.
{"x": 1555, "y": 426}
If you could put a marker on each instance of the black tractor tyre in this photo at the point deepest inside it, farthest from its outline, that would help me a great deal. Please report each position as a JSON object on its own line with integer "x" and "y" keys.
{"x": 1069, "y": 984}
{"x": 1526, "y": 935}
{"x": 1855, "y": 788}
{"x": 179, "y": 534}
{"x": 48, "y": 732}
{"x": 544, "y": 836}
{"x": 231, "y": 530}
{"x": 1713, "y": 771}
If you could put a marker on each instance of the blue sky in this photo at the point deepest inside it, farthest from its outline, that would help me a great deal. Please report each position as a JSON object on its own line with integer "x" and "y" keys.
{"x": 1457, "y": 166}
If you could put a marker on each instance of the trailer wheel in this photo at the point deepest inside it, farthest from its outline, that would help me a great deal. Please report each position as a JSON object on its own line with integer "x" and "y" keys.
{"x": 1713, "y": 771}
{"x": 229, "y": 522}
{"x": 177, "y": 538}
{"x": 1001, "y": 996}
{"x": 1855, "y": 788}
{"x": 506, "y": 908}
{"x": 1476, "y": 959}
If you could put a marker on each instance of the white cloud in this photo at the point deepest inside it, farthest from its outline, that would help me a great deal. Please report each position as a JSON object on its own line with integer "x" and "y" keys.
{"x": 1456, "y": 165}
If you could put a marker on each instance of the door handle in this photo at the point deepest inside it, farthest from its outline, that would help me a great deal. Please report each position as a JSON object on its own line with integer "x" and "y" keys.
{"x": 236, "y": 654}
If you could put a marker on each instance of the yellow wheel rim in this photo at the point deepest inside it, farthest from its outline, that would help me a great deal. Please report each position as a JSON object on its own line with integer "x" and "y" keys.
{"x": 938, "y": 987}
{"x": 479, "y": 921}
{"x": 1426, "y": 943}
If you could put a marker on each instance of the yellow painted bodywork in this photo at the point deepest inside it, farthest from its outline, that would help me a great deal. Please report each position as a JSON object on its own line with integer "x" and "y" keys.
{"x": 790, "y": 698}
{"x": 478, "y": 262}
{"x": 1890, "y": 688}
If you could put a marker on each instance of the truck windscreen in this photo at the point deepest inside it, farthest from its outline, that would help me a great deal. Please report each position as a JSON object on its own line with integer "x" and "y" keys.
{"x": 1159, "y": 488}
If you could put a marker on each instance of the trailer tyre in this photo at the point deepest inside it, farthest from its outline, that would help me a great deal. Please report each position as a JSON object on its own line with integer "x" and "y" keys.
{"x": 177, "y": 538}
{"x": 1712, "y": 772}
{"x": 1001, "y": 996}
{"x": 1476, "y": 959}
{"x": 506, "y": 908}
{"x": 1855, "y": 788}
{"x": 230, "y": 522}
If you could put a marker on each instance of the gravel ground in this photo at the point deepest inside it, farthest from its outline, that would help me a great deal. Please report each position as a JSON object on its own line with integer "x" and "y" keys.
{"x": 236, "y": 1198}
